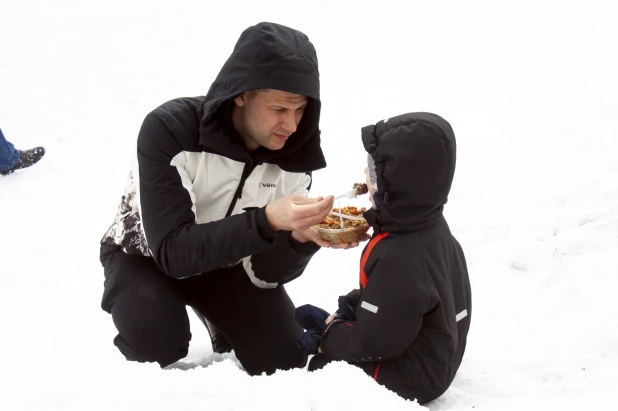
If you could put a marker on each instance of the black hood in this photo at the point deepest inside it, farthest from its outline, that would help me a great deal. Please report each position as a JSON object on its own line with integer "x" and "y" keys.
{"x": 414, "y": 156}
{"x": 273, "y": 56}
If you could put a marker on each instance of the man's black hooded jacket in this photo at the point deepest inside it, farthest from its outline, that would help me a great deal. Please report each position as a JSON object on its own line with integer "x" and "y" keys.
{"x": 196, "y": 200}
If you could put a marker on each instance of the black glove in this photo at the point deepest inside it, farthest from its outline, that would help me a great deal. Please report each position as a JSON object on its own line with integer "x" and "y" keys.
{"x": 312, "y": 319}
{"x": 309, "y": 342}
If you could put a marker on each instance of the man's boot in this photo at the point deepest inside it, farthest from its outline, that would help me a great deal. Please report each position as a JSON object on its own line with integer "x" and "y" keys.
{"x": 26, "y": 159}
{"x": 220, "y": 343}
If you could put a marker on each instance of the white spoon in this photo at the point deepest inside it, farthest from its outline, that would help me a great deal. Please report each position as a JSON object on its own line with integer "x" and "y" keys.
{"x": 347, "y": 194}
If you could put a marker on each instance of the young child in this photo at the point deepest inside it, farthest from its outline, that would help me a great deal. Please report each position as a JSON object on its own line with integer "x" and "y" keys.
{"x": 406, "y": 326}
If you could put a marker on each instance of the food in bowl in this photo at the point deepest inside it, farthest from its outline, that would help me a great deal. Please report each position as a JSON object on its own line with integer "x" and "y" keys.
{"x": 353, "y": 229}
{"x": 333, "y": 221}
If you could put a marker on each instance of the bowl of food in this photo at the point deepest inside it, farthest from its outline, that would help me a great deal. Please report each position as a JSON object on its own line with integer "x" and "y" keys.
{"x": 345, "y": 225}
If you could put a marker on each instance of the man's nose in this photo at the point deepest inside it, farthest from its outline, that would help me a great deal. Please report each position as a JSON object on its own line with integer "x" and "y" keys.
{"x": 289, "y": 123}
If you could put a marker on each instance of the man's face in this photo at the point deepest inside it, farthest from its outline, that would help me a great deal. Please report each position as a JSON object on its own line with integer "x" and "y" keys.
{"x": 268, "y": 117}
{"x": 370, "y": 187}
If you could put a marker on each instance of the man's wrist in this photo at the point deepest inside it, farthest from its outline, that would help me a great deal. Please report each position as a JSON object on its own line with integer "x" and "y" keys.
{"x": 265, "y": 230}
{"x": 268, "y": 214}
{"x": 299, "y": 238}
{"x": 306, "y": 248}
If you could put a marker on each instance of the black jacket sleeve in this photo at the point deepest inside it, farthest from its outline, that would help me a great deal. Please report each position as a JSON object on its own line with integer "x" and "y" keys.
{"x": 288, "y": 258}
{"x": 353, "y": 298}
{"x": 388, "y": 317}
{"x": 179, "y": 245}
{"x": 285, "y": 262}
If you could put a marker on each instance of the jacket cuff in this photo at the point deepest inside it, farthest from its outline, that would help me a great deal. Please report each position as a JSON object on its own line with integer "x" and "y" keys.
{"x": 265, "y": 231}
{"x": 304, "y": 249}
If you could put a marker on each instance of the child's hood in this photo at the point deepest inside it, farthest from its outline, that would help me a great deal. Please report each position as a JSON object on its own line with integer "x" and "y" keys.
{"x": 414, "y": 159}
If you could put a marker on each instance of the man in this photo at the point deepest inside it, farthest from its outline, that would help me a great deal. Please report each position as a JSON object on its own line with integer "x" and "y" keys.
{"x": 216, "y": 216}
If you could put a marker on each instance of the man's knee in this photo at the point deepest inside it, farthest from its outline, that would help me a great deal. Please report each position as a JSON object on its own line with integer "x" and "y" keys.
{"x": 147, "y": 308}
{"x": 152, "y": 325}
{"x": 157, "y": 351}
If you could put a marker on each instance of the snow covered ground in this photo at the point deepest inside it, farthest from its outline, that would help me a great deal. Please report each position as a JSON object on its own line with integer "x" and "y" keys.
{"x": 530, "y": 88}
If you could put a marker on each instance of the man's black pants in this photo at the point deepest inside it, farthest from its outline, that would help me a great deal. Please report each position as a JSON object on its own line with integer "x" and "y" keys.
{"x": 149, "y": 310}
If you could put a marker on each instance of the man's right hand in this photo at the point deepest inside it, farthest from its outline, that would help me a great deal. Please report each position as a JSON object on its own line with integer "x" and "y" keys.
{"x": 298, "y": 212}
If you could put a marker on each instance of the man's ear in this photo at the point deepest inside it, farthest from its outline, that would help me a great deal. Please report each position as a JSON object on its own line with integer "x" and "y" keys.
{"x": 241, "y": 100}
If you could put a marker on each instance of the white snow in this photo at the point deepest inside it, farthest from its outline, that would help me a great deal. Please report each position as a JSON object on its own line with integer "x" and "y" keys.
{"x": 530, "y": 88}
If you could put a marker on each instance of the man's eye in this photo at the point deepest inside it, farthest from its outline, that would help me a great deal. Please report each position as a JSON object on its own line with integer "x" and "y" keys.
{"x": 279, "y": 109}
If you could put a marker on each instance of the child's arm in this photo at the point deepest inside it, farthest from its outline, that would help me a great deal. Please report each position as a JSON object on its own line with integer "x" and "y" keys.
{"x": 388, "y": 316}
{"x": 348, "y": 305}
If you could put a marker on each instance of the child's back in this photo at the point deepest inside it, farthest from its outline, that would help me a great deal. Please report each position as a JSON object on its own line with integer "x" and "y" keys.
{"x": 414, "y": 308}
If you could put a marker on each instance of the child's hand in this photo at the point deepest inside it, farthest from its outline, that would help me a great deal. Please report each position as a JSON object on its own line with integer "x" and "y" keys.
{"x": 326, "y": 322}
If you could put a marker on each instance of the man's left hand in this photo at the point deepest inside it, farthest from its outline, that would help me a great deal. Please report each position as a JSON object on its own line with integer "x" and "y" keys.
{"x": 312, "y": 234}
